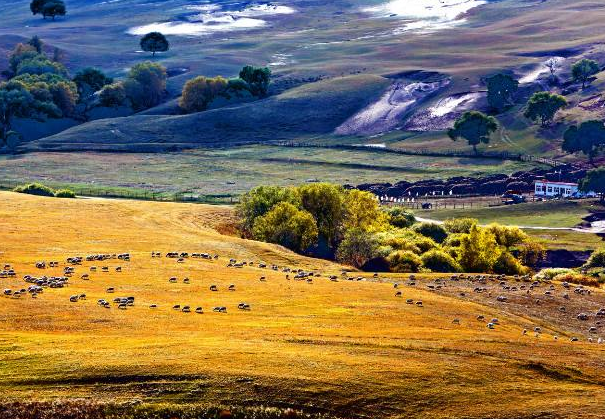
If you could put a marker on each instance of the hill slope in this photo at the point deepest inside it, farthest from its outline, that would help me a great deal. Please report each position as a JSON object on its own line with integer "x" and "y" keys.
{"x": 313, "y": 109}
{"x": 347, "y": 348}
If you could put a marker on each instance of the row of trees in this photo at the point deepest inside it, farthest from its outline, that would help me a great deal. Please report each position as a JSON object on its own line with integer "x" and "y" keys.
{"x": 349, "y": 225}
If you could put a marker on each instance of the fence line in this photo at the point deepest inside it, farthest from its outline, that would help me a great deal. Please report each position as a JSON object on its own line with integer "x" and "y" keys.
{"x": 500, "y": 155}
{"x": 140, "y": 195}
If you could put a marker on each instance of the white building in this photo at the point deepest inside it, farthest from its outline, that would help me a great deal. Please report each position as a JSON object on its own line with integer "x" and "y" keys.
{"x": 564, "y": 189}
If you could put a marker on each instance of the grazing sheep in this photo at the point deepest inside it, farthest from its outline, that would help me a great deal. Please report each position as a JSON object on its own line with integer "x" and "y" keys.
{"x": 232, "y": 287}
{"x": 243, "y": 306}
{"x": 153, "y": 306}
{"x": 74, "y": 298}
{"x": 574, "y": 339}
{"x": 582, "y": 316}
{"x": 491, "y": 326}
{"x": 111, "y": 290}
{"x": 185, "y": 280}
{"x": 398, "y": 294}
{"x": 176, "y": 307}
{"x": 262, "y": 279}
{"x": 8, "y": 292}
{"x": 456, "y": 321}
{"x": 213, "y": 288}
{"x": 186, "y": 309}
{"x": 199, "y": 310}
{"x": 105, "y": 269}
{"x": 495, "y": 321}
{"x": 409, "y": 301}
{"x": 172, "y": 279}
{"x": 118, "y": 269}
{"x": 220, "y": 309}
{"x": 419, "y": 303}
{"x": 122, "y": 306}
{"x": 502, "y": 299}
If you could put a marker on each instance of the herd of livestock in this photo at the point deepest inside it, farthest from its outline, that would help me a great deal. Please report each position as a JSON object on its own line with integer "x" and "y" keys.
{"x": 522, "y": 289}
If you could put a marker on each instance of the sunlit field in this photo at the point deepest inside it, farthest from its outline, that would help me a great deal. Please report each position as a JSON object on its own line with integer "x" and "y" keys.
{"x": 345, "y": 348}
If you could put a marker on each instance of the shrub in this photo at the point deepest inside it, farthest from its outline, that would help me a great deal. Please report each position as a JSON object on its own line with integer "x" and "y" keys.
{"x": 113, "y": 95}
{"x": 35, "y": 189}
{"x": 596, "y": 260}
{"x": 432, "y": 230}
{"x": 530, "y": 253}
{"x": 146, "y": 84}
{"x": 404, "y": 261}
{"x": 507, "y": 264}
{"x": 65, "y": 193}
{"x": 576, "y": 278}
{"x": 258, "y": 79}
{"x": 478, "y": 251}
{"x": 550, "y": 273}
{"x": 459, "y": 225}
{"x": 507, "y": 236}
{"x": 439, "y": 261}
{"x": 199, "y": 92}
{"x": 400, "y": 218}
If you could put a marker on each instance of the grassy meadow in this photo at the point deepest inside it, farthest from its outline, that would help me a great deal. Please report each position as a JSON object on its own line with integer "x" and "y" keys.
{"x": 344, "y": 349}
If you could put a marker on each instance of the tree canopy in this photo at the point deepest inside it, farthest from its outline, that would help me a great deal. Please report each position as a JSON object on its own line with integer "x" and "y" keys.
{"x": 475, "y": 127}
{"x": 588, "y": 138}
{"x": 288, "y": 226}
{"x": 154, "y": 42}
{"x": 47, "y": 8}
{"x": 199, "y": 92}
{"x": 90, "y": 80}
{"x": 594, "y": 182}
{"x": 500, "y": 91}
{"x": 543, "y": 106}
{"x": 145, "y": 84}
{"x": 583, "y": 70}
{"x": 258, "y": 79}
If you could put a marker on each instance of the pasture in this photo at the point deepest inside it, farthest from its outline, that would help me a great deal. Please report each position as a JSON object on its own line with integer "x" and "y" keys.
{"x": 347, "y": 347}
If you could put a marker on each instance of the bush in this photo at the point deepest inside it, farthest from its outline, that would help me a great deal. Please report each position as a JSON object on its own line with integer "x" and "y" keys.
{"x": 400, "y": 218}
{"x": 288, "y": 226}
{"x": 404, "y": 261}
{"x": 596, "y": 260}
{"x": 432, "y": 230}
{"x": 439, "y": 261}
{"x": 35, "y": 189}
{"x": 113, "y": 95}
{"x": 507, "y": 264}
{"x": 200, "y": 91}
{"x": 576, "y": 278}
{"x": 65, "y": 193}
{"x": 146, "y": 84}
{"x": 459, "y": 225}
{"x": 550, "y": 273}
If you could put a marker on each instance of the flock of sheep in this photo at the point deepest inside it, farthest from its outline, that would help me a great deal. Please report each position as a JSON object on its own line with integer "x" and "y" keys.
{"x": 499, "y": 287}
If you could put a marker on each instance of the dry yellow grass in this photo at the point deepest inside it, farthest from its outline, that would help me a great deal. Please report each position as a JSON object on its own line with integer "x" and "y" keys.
{"x": 348, "y": 348}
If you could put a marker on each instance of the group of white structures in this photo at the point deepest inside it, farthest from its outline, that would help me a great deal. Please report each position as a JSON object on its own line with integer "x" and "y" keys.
{"x": 542, "y": 188}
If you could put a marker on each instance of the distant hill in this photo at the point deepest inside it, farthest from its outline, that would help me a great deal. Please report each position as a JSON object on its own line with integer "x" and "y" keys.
{"x": 306, "y": 111}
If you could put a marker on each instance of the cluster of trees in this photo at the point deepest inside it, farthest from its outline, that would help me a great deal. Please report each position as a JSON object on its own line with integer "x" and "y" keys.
{"x": 588, "y": 138}
{"x": 200, "y": 91}
{"x": 349, "y": 225}
{"x": 48, "y": 8}
{"x": 143, "y": 87}
{"x": 37, "y": 87}
{"x": 594, "y": 182}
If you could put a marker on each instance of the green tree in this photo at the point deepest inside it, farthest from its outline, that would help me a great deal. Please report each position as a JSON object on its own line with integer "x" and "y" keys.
{"x": 543, "y": 106}
{"x": 113, "y": 95}
{"x": 62, "y": 92}
{"x": 500, "y": 91}
{"x": 154, "y": 42}
{"x": 507, "y": 236}
{"x": 587, "y": 138}
{"x": 288, "y": 226}
{"x": 594, "y": 182}
{"x": 327, "y": 205}
{"x": 20, "y": 53}
{"x": 145, "y": 84}
{"x": 363, "y": 211}
{"x": 36, "y": 43}
{"x": 357, "y": 247}
{"x": 36, "y": 6}
{"x": 17, "y": 101}
{"x": 258, "y": 79}
{"x": 478, "y": 251}
{"x": 260, "y": 201}
{"x": 199, "y": 92}
{"x": 459, "y": 225}
{"x": 90, "y": 80}
{"x": 583, "y": 70}
{"x": 596, "y": 260}
{"x": 475, "y": 127}
{"x": 53, "y": 8}
{"x": 40, "y": 64}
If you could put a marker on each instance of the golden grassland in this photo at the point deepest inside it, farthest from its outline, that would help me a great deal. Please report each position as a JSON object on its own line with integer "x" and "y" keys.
{"x": 347, "y": 348}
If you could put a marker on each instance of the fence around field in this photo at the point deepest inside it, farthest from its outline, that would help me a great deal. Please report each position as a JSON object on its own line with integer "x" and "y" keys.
{"x": 453, "y": 202}
{"x": 138, "y": 194}
{"x": 498, "y": 155}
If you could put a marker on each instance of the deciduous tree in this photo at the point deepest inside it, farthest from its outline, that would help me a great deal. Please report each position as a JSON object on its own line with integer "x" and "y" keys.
{"x": 475, "y": 127}
{"x": 154, "y": 42}
{"x": 543, "y": 106}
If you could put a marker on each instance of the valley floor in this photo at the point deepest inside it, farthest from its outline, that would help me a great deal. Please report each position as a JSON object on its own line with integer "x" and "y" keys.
{"x": 346, "y": 348}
